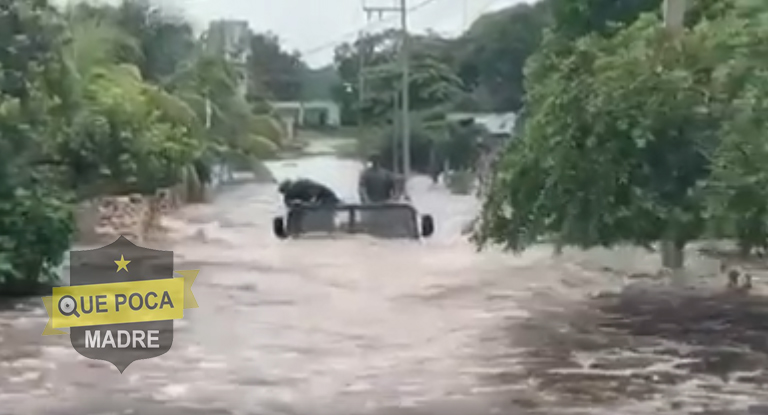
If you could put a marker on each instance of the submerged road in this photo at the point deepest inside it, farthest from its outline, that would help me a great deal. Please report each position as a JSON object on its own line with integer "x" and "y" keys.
{"x": 355, "y": 326}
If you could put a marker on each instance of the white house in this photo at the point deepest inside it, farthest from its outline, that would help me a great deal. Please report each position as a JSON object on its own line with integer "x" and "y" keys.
{"x": 309, "y": 113}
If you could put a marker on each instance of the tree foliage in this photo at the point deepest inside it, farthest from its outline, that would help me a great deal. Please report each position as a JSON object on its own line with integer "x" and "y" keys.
{"x": 574, "y": 19}
{"x": 737, "y": 188}
{"x": 433, "y": 81}
{"x": 34, "y": 99}
{"x": 639, "y": 137}
{"x": 434, "y": 89}
{"x": 100, "y": 99}
{"x": 272, "y": 71}
{"x": 491, "y": 55}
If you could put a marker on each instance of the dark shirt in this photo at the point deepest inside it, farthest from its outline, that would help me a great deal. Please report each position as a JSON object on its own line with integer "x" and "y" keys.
{"x": 308, "y": 191}
{"x": 377, "y": 184}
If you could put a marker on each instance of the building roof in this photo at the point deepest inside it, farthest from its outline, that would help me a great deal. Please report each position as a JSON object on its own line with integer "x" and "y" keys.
{"x": 304, "y": 104}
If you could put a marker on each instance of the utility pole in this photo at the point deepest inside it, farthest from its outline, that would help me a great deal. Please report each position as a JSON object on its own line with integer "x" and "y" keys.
{"x": 402, "y": 9}
{"x": 405, "y": 104}
{"x": 395, "y": 127}
{"x": 674, "y": 14}
{"x": 208, "y": 112}
{"x": 360, "y": 84}
{"x": 673, "y": 256}
{"x": 464, "y": 15}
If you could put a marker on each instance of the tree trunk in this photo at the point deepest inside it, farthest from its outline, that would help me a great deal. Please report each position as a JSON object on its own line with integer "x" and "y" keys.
{"x": 672, "y": 255}
{"x": 745, "y": 249}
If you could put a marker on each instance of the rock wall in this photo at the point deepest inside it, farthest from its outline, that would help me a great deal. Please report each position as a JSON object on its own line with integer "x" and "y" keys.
{"x": 134, "y": 216}
{"x": 139, "y": 217}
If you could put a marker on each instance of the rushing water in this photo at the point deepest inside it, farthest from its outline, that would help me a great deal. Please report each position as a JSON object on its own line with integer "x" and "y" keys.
{"x": 355, "y": 325}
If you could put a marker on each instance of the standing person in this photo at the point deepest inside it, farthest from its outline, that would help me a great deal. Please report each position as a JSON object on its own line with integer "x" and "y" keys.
{"x": 435, "y": 167}
{"x": 376, "y": 185}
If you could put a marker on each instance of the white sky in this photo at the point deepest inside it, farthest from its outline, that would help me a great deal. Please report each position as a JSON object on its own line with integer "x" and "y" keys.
{"x": 314, "y": 27}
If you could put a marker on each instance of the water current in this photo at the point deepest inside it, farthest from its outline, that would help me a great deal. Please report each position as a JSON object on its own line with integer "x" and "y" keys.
{"x": 356, "y": 326}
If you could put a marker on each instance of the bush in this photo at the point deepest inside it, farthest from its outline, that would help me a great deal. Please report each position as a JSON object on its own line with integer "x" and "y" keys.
{"x": 36, "y": 227}
{"x": 268, "y": 127}
{"x": 259, "y": 146}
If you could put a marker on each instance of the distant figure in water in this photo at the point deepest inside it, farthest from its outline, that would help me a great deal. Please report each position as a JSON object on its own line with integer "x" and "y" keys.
{"x": 435, "y": 167}
{"x": 376, "y": 184}
{"x": 306, "y": 191}
{"x": 435, "y": 176}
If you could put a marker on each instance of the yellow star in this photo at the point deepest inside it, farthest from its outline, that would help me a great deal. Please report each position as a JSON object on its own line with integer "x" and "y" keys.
{"x": 122, "y": 264}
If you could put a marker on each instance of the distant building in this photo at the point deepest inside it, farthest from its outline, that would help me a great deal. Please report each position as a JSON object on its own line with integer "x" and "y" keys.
{"x": 309, "y": 113}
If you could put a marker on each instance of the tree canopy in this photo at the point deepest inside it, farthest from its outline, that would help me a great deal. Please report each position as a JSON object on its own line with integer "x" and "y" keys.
{"x": 627, "y": 133}
{"x": 481, "y": 71}
{"x": 639, "y": 136}
{"x": 102, "y": 99}
{"x": 273, "y": 71}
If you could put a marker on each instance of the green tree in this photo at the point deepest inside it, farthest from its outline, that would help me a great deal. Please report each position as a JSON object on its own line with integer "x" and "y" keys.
{"x": 639, "y": 138}
{"x": 104, "y": 99}
{"x": 35, "y": 101}
{"x": 165, "y": 41}
{"x": 127, "y": 135}
{"x": 576, "y": 18}
{"x": 318, "y": 84}
{"x": 615, "y": 148}
{"x": 373, "y": 50}
{"x": 491, "y": 55}
{"x": 573, "y": 19}
{"x": 434, "y": 90}
{"x": 272, "y": 71}
{"x": 739, "y": 183}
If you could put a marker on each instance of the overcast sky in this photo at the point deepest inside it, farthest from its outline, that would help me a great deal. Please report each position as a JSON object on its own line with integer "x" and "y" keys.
{"x": 314, "y": 27}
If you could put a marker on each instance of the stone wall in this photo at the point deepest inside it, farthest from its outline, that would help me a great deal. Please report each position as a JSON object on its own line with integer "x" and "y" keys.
{"x": 138, "y": 217}
{"x": 134, "y": 216}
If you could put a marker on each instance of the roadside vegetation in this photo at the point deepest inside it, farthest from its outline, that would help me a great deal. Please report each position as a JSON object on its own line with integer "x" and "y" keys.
{"x": 627, "y": 133}
{"x": 99, "y": 100}
{"x": 638, "y": 135}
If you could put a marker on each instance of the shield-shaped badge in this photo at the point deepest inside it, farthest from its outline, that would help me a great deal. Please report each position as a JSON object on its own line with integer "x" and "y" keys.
{"x": 119, "y": 262}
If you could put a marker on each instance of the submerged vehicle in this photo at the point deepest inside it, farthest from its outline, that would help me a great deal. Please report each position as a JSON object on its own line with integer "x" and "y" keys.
{"x": 384, "y": 220}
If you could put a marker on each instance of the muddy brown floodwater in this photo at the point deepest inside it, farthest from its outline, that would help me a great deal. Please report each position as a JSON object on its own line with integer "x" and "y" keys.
{"x": 356, "y": 326}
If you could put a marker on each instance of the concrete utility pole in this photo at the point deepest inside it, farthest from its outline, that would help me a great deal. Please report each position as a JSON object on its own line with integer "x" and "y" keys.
{"x": 672, "y": 256}
{"x": 360, "y": 84}
{"x": 405, "y": 68}
{"x": 208, "y": 112}
{"x": 674, "y": 14}
{"x": 395, "y": 126}
{"x": 464, "y": 15}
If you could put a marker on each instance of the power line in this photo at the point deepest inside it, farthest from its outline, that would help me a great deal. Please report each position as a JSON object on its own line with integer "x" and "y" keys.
{"x": 352, "y": 34}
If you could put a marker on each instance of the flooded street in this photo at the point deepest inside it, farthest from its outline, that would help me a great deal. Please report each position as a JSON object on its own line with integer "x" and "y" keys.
{"x": 355, "y": 326}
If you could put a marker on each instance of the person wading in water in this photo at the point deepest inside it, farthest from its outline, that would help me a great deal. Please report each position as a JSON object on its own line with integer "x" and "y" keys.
{"x": 376, "y": 184}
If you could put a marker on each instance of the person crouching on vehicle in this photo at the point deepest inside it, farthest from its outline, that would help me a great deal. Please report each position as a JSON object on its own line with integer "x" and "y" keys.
{"x": 309, "y": 192}
{"x": 306, "y": 191}
{"x": 376, "y": 185}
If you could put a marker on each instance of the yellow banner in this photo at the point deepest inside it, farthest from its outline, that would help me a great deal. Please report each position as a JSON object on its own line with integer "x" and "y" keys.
{"x": 120, "y": 302}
